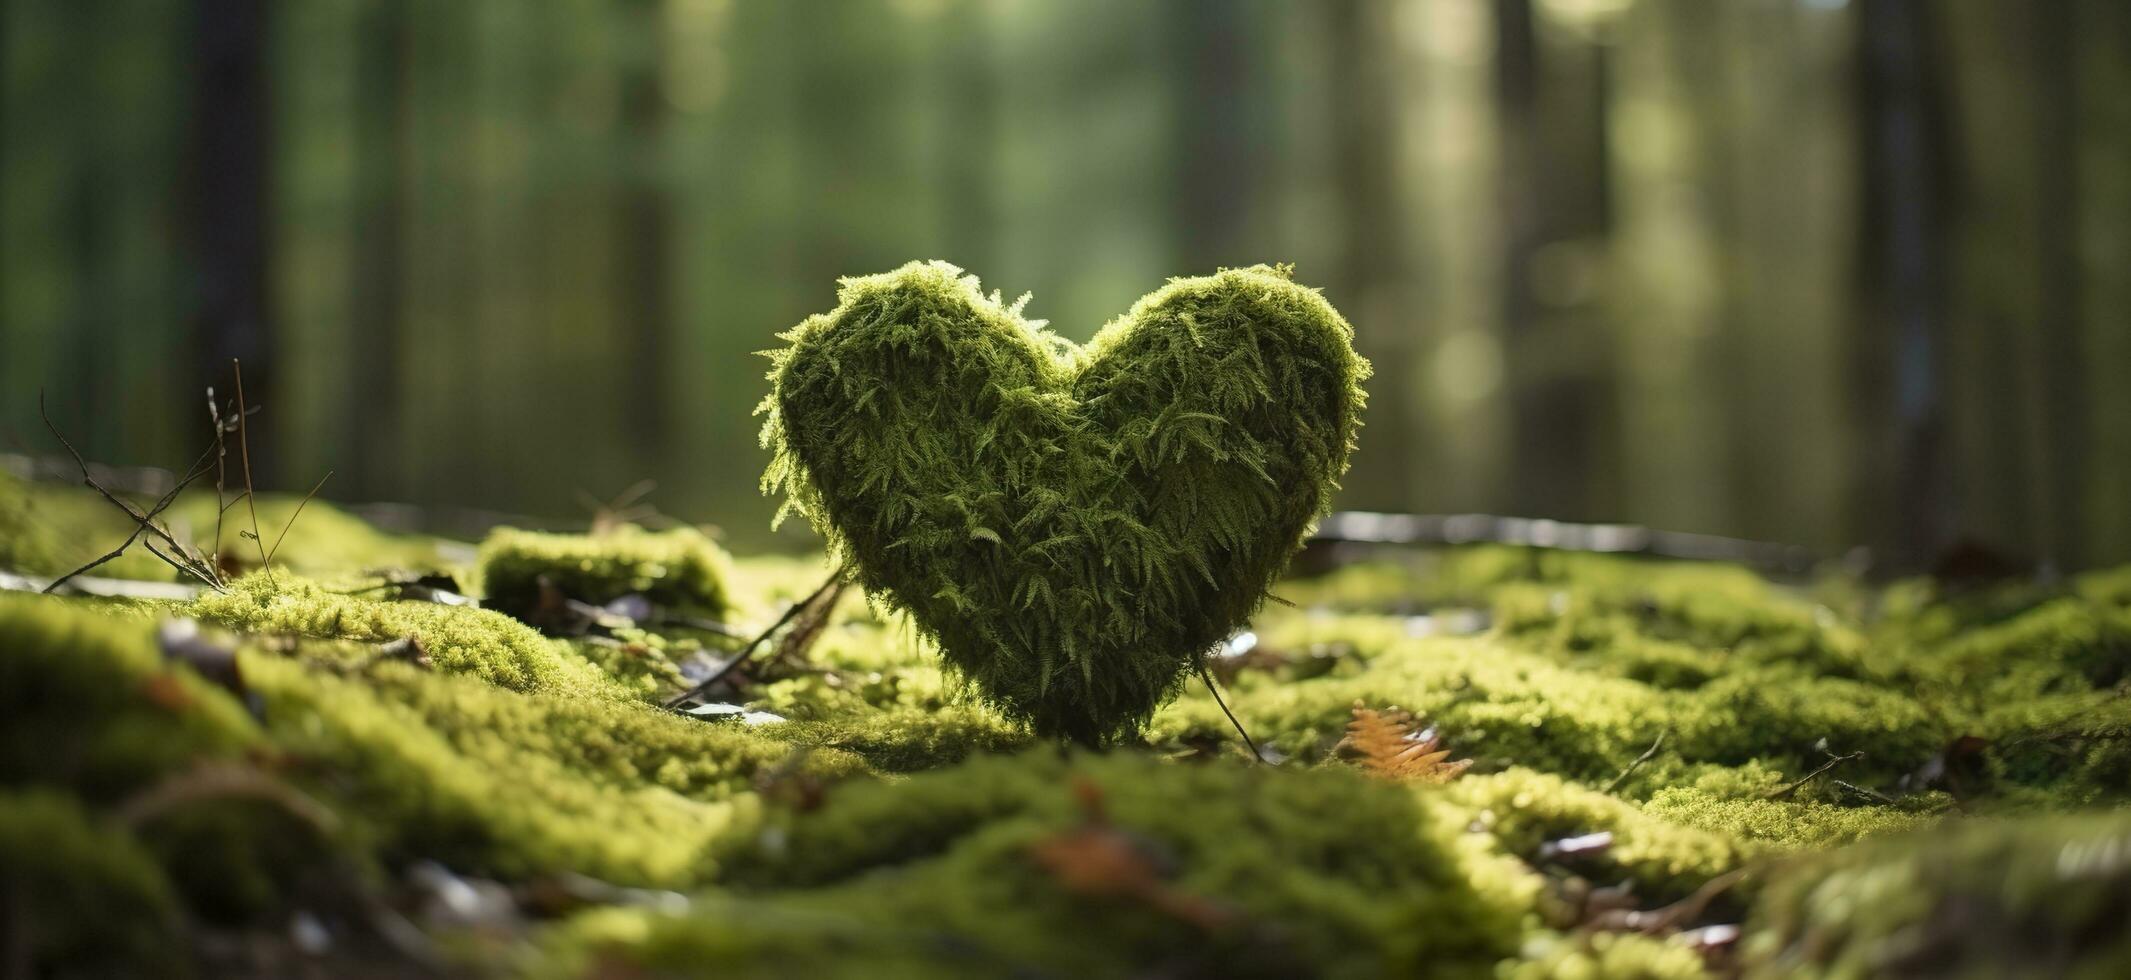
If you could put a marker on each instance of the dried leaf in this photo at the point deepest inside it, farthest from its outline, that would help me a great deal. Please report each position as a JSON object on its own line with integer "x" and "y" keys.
{"x": 1392, "y": 744}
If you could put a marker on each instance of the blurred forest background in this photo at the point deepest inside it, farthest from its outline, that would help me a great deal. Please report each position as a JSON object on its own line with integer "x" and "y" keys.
{"x": 1832, "y": 272}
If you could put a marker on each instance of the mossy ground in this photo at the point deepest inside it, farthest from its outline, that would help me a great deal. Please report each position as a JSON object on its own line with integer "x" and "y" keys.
{"x": 161, "y": 803}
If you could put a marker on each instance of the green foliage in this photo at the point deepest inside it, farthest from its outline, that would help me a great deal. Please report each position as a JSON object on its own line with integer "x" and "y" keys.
{"x": 679, "y": 569}
{"x": 1978, "y": 899}
{"x": 1074, "y": 526}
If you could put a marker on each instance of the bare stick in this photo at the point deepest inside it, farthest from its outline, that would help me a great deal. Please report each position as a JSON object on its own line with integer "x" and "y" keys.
{"x": 270, "y": 552}
{"x": 184, "y": 565}
{"x": 1638, "y": 763}
{"x": 244, "y": 446}
{"x": 1832, "y": 762}
{"x": 742, "y": 654}
{"x": 142, "y": 522}
{"x": 214, "y": 415}
{"x": 1207, "y": 676}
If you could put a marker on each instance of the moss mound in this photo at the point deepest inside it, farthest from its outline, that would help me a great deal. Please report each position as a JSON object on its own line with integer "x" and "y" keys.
{"x": 1074, "y": 526}
{"x": 1013, "y": 864}
{"x": 1984, "y": 899}
{"x": 679, "y": 569}
{"x": 82, "y": 899}
{"x": 487, "y": 645}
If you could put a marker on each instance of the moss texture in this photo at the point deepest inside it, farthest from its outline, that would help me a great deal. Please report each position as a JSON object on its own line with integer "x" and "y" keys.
{"x": 84, "y": 899}
{"x": 1075, "y": 526}
{"x": 1324, "y": 873}
{"x": 679, "y": 569}
{"x": 1988, "y": 899}
{"x": 897, "y": 822}
{"x": 485, "y": 644}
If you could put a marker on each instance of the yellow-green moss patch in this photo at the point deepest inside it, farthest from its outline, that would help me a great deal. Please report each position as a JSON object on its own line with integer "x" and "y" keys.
{"x": 679, "y": 569}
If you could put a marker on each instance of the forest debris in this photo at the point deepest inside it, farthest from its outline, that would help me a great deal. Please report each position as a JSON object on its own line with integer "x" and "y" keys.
{"x": 721, "y": 711}
{"x": 790, "y": 783}
{"x": 1638, "y": 763}
{"x": 1391, "y": 743}
{"x": 182, "y": 558}
{"x": 1100, "y": 860}
{"x": 566, "y": 892}
{"x": 1581, "y": 845}
{"x": 1573, "y": 901}
{"x": 77, "y": 584}
{"x": 1668, "y": 919}
{"x": 455, "y": 901}
{"x": 1833, "y": 761}
{"x": 1958, "y": 769}
{"x": 182, "y": 642}
{"x": 807, "y": 627}
{"x": 441, "y": 588}
{"x": 835, "y": 583}
{"x": 218, "y": 780}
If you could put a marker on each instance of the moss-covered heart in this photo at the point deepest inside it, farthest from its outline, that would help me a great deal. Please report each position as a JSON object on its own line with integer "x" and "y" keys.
{"x": 1075, "y": 526}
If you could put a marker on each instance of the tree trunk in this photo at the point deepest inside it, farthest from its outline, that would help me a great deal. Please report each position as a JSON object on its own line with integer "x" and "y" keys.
{"x": 229, "y": 225}
{"x": 1901, "y": 332}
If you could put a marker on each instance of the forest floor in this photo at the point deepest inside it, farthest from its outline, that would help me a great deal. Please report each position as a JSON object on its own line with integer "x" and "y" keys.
{"x": 335, "y": 766}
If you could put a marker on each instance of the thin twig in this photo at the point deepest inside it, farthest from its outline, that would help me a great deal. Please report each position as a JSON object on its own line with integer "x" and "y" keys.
{"x": 214, "y": 414}
{"x": 142, "y": 522}
{"x": 1207, "y": 676}
{"x": 739, "y": 657}
{"x": 1832, "y": 762}
{"x": 270, "y": 552}
{"x": 244, "y": 446}
{"x": 1638, "y": 763}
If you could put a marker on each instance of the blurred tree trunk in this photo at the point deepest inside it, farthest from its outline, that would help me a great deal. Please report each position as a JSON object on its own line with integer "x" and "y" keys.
{"x": 2060, "y": 356}
{"x": 1901, "y": 467}
{"x": 646, "y": 235}
{"x": 1551, "y": 134}
{"x": 2104, "y": 128}
{"x": 374, "y": 422}
{"x": 1216, "y": 167}
{"x": 1373, "y": 254}
{"x": 229, "y": 223}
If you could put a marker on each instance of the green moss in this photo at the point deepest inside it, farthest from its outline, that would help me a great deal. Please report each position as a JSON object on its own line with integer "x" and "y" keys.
{"x": 1322, "y": 872}
{"x": 679, "y": 569}
{"x": 1075, "y": 526}
{"x": 1608, "y": 956}
{"x": 1524, "y": 810}
{"x": 524, "y": 759}
{"x": 477, "y": 642}
{"x": 27, "y": 546}
{"x": 456, "y": 770}
{"x": 82, "y": 898}
{"x": 49, "y": 530}
{"x": 1495, "y": 703}
{"x": 908, "y": 740}
{"x": 1977, "y": 899}
{"x": 87, "y": 701}
{"x": 322, "y": 540}
{"x": 1783, "y": 823}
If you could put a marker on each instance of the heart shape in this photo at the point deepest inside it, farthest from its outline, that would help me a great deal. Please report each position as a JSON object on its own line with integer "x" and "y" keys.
{"x": 1076, "y": 527}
